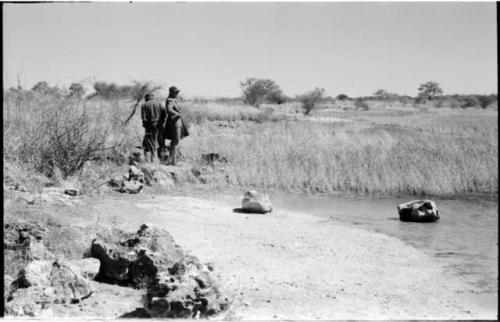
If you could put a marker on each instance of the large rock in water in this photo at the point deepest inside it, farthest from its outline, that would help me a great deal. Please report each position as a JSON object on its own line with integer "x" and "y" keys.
{"x": 256, "y": 202}
{"x": 178, "y": 285}
{"x": 418, "y": 211}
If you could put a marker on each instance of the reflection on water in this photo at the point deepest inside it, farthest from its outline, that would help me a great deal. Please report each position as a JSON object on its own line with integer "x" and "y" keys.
{"x": 465, "y": 237}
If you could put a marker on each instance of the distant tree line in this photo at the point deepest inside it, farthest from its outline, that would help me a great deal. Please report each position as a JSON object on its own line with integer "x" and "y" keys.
{"x": 257, "y": 91}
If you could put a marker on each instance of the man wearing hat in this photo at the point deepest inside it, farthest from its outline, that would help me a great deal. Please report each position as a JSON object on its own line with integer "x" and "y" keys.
{"x": 153, "y": 116}
{"x": 175, "y": 129}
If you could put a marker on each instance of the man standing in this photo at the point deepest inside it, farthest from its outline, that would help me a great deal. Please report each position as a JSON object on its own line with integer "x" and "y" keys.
{"x": 152, "y": 115}
{"x": 175, "y": 128}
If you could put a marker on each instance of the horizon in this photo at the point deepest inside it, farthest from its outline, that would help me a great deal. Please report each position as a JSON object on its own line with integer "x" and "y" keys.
{"x": 349, "y": 48}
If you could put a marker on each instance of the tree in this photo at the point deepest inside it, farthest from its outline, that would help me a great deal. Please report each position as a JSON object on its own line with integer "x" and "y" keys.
{"x": 138, "y": 91}
{"x": 259, "y": 90}
{"x": 41, "y": 87}
{"x": 429, "y": 90}
{"x": 342, "y": 97}
{"x": 361, "y": 104}
{"x": 310, "y": 99}
{"x": 76, "y": 90}
{"x": 382, "y": 93}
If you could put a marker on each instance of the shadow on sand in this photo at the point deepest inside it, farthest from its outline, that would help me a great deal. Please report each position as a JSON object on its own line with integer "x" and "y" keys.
{"x": 244, "y": 211}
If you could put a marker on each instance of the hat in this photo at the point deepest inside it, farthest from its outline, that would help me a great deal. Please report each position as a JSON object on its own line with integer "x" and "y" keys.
{"x": 149, "y": 96}
{"x": 173, "y": 89}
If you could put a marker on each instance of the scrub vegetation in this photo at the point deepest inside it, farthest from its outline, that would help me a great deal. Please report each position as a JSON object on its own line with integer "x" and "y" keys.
{"x": 384, "y": 144}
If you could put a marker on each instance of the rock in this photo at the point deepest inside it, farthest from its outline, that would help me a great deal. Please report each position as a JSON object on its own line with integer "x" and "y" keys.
{"x": 29, "y": 301}
{"x": 116, "y": 182}
{"x": 163, "y": 180}
{"x": 178, "y": 285}
{"x": 182, "y": 172}
{"x": 36, "y": 273}
{"x": 7, "y": 281}
{"x": 68, "y": 282}
{"x": 135, "y": 174}
{"x": 43, "y": 283}
{"x": 89, "y": 267}
{"x": 132, "y": 186}
{"x": 18, "y": 235}
{"x": 38, "y": 251}
{"x": 20, "y": 188}
{"x": 418, "y": 211}
{"x": 211, "y": 158}
{"x": 63, "y": 278}
{"x": 109, "y": 268}
{"x": 148, "y": 169}
{"x": 136, "y": 157}
{"x": 256, "y": 202}
{"x": 72, "y": 192}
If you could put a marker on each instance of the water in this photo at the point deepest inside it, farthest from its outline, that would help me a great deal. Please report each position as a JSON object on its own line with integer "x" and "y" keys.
{"x": 465, "y": 238}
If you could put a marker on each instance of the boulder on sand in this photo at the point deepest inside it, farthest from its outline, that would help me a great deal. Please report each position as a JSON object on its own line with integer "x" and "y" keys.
{"x": 177, "y": 285}
{"x": 255, "y": 202}
{"x": 418, "y": 211}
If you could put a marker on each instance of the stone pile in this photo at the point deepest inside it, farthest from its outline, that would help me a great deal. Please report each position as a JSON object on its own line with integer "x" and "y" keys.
{"x": 132, "y": 182}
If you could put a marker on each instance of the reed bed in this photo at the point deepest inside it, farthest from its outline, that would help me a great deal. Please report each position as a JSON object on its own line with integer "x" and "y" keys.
{"x": 437, "y": 152}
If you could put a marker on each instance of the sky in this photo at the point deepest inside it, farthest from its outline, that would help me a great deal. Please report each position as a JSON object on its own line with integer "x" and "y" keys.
{"x": 207, "y": 49}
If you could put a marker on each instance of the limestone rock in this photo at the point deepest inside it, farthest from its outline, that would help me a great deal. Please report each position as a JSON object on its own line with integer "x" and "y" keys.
{"x": 163, "y": 180}
{"x": 132, "y": 186}
{"x": 116, "y": 182}
{"x": 38, "y": 251}
{"x": 418, "y": 211}
{"x": 72, "y": 192}
{"x": 178, "y": 285}
{"x": 29, "y": 301}
{"x": 148, "y": 169}
{"x": 42, "y": 283}
{"x": 89, "y": 267}
{"x": 255, "y": 202}
{"x": 68, "y": 282}
{"x": 135, "y": 174}
{"x": 36, "y": 273}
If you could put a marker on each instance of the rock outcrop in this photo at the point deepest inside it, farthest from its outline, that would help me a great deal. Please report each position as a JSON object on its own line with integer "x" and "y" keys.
{"x": 177, "y": 285}
{"x": 418, "y": 211}
{"x": 27, "y": 238}
{"x": 255, "y": 202}
{"x": 42, "y": 283}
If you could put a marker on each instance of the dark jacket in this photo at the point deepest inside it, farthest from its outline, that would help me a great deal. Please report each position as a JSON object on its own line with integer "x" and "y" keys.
{"x": 174, "y": 121}
{"x": 152, "y": 114}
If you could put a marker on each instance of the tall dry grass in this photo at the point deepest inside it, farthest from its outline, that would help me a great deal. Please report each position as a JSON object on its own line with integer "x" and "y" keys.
{"x": 382, "y": 150}
{"x": 418, "y": 153}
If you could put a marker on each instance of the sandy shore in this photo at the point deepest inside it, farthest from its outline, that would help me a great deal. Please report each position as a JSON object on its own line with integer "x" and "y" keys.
{"x": 290, "y": 265}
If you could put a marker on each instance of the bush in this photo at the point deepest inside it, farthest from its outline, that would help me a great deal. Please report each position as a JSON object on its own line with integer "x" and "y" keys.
{"x": 486, "y": 100}
{"x": 43, "y": 88}
{"x": 469, "y": 101}
{"x": 63, "y": 138}
{"x": 76, "y": 90}
{"x": 361, "y": 104}
{"x": 310, "y": 99}
{"x": 342, "y": 97}
{"x": 258, "y": 90}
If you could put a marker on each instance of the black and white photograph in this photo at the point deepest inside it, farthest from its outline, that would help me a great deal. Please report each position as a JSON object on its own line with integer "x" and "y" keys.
{"x": 245, "y": 161}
